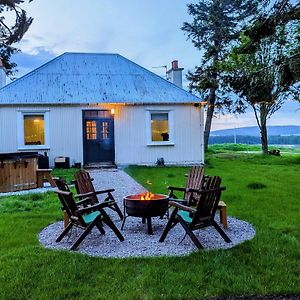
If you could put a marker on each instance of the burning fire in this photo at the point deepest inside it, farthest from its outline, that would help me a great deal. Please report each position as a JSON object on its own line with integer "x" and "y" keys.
{"x": 147, "y": 196}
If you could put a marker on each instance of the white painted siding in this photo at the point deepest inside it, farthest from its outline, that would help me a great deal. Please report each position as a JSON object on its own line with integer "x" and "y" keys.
{"x": 65, "y": 129}
{"x": 131, "y": 136}
{"x": 66, "y": 133}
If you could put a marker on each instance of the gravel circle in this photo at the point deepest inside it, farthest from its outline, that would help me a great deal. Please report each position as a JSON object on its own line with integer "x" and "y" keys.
{"x": 137, "y": 242}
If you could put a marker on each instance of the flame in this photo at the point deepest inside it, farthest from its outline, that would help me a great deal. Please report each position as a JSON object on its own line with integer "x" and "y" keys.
{"x": 147, "y": 196}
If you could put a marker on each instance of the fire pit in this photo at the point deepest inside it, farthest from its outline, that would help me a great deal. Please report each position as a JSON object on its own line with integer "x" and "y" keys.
{"x": 145, "y": 206}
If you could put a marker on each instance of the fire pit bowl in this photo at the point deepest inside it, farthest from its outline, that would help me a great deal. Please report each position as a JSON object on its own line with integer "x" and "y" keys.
{"x": 145, "y": 205}
{"x": 155, "y": 207}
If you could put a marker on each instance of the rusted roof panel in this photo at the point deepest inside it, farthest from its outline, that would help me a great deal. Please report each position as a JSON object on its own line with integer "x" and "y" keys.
{"x": 80, "y": 78}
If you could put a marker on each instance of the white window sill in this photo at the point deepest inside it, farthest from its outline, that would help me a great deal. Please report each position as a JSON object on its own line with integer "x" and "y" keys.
{"x": 161, "y": 144}
{"x": 34, "y": 147}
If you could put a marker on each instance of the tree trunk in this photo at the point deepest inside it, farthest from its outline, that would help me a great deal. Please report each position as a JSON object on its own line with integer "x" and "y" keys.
{"x": 264, "y": 139}
{"x": 263, "y": 128}
{"x": 261, "y": 115}
{"x": 209, "y": 115}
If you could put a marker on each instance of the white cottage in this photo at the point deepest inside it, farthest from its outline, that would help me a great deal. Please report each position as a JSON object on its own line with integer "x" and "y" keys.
{"x": 101, "y": 109}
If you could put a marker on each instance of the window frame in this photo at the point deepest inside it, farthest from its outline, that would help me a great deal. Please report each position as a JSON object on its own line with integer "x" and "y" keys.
{"x": 20, "y": 128}
{"x": 149, "y": 129}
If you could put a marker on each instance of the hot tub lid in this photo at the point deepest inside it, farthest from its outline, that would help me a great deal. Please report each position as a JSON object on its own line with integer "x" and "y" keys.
{"x": 18, "y": 155}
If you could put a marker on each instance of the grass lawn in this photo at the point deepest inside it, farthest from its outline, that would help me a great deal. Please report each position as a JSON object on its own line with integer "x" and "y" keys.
{"x": 268, "y": 264}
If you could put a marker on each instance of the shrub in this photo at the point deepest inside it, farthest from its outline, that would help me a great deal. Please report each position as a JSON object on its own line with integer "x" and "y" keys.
{"x": 256, "y": 186}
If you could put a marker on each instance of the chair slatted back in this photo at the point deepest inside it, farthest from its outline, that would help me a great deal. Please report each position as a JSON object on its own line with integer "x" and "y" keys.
{"x": 194, "y": 181}
{"x": 70, "y": 206}
{"x": 208, "y": 201}
{"x": 61, "y": 185}
{"x": 84, "y": 185}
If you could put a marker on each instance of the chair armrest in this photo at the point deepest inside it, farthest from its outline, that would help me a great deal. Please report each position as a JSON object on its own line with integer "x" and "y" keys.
{"x": 176, "y": 188}
{"x": 84, "y": 201}
{"x": 104, "y": 191}
{"x": 84, "y": 195}
{"x": 94, "y": 207}
{"x": 194, "y": 190}
{"x": 182, "y": 207}
{"x": 221, "y": 188}
{"x": 206, "y": 191}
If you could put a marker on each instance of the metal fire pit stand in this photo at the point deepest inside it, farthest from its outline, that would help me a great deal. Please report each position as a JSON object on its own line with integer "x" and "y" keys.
{"x": 146, "y": 216}
{"x": 144, "y": 220}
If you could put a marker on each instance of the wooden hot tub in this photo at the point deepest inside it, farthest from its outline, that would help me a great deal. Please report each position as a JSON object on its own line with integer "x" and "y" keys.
{"x": 18, "y": 171}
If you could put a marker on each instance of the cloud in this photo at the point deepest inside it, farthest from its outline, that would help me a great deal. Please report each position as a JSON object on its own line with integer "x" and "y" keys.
{"x": 27, "y": 62}
{"x": 147, "y": 32}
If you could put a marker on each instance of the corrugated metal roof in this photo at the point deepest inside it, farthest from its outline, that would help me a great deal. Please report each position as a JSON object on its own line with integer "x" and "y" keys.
{"x": 79, "y": 78}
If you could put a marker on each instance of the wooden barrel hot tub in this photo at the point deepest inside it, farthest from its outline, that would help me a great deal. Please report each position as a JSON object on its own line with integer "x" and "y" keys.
{"x": 18, "y": 171}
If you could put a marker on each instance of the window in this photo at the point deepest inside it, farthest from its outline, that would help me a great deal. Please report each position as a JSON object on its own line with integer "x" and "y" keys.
{"x": 104, "y": 131}
{"x": 91, "y": 130}
{"x": 160, "y": 128}
{"x": 33, "y": 130}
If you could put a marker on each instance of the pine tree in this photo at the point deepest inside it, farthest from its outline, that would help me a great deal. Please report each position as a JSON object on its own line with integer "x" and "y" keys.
{"x": 13, "y": 33}
{"x": 216, "y": 25}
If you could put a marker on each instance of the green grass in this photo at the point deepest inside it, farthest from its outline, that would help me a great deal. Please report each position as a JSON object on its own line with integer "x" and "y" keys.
{"x": 268, "y": 264}
{"x": 244, "y": 148}
{"x": 66, "y": 174}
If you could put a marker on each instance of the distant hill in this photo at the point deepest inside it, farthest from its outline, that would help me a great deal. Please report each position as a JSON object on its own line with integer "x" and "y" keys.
{"x": 254, "y": 131}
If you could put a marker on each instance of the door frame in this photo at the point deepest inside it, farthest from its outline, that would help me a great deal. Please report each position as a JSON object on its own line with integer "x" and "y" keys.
{"x": 84, "y": 118}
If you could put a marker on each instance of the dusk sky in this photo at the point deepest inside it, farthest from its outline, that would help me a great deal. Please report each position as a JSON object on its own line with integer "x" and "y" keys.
{"x": 147, "y": 32}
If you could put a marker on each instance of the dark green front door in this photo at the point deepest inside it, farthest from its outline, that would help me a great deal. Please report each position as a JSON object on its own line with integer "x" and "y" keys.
{"x": 98, "y": 138}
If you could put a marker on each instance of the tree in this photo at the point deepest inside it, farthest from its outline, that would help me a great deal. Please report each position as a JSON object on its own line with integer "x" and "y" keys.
{"x": 259, "y": 79}
{"x": 11, "y": 33}
{"x": 281, "y": 13}
{"x": 216, "y": 24}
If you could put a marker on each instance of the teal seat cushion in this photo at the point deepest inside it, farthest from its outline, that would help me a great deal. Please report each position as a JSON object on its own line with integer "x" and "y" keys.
{"x": 185, "y": 215}
{"x": 89, "y": 218}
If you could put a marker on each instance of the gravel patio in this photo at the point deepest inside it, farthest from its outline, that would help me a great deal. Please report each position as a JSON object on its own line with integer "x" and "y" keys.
{"x": 137, "y": 242}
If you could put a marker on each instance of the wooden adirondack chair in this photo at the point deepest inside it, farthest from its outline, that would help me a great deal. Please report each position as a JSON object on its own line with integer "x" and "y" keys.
{"x": 194, "y": 181}
{"x": 85, "y": 188}
{"x": 202, "y": 216}
{"x": 85, "y": 218}
{"x": 62, "y": 186}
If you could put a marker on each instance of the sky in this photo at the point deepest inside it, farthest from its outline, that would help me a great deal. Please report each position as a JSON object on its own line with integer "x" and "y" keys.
{"x": 146, "y": 32}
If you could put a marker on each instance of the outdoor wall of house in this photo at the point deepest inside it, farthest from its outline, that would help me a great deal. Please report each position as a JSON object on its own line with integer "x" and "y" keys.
{"x": 66, "y": 133}
{"x": 131, "y": 135}
{"x": 65, "y": 130}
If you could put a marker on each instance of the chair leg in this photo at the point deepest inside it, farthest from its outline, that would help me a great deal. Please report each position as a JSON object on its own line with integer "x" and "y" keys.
{"x": 107, "y": 220}
{"x": 221, "y": 232}
{"x": 118, "y": 210}
{"x": 66, "y": 230}
{"x": 171, "y": 223}
{"x": 66, "y": 219}
{"x": 123, "y": 223}
{"x": 223, "y": 217}
{"x": 84, "y": 234}
{"x": 115, "y": 206}
{"x": 190, "y": 234}
{"x": 100, "y": 228}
